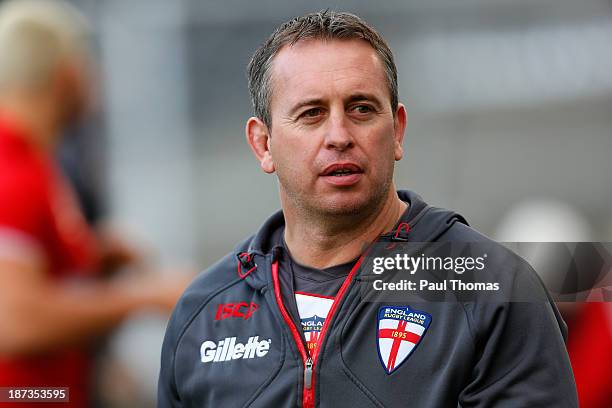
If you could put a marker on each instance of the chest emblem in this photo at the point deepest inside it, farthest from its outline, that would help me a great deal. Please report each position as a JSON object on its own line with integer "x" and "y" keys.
{"x": 312, "y": 327}
{"x": 399, "y": 331}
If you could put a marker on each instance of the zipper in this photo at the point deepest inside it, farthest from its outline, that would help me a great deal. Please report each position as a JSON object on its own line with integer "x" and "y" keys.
{"x": 308, "y": 374}
{"x": 310, "y": 362}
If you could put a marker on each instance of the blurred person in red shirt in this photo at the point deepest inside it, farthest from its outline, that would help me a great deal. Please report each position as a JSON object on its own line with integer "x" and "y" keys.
{"x": 578, "y": 270}
{"x": 590, "y": 348}
{"x": 48, "y": 323}
{"x": 589, "y": 321}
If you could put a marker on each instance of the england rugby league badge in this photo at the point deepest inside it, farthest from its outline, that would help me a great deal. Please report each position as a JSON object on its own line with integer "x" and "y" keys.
{"x": 399, "y": 331}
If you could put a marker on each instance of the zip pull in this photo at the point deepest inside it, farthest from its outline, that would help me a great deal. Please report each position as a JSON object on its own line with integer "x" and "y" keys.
{"x": 308, "y": 373}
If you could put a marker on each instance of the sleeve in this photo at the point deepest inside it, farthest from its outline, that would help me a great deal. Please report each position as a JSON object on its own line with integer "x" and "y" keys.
{"x": 22, "y": 210}
{"x": 167, "y": 392}
{"x": 521, "y": 358}
{"x": 167, "y": 387}
{"x": 220, "y": 276}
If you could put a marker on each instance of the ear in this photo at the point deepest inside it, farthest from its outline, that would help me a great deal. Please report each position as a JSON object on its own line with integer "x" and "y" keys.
{"x": 71, "y": 84}
{"x": 258, "y": 138}
{"x": 67, "y": 76}
{"x": 400, "y": 127}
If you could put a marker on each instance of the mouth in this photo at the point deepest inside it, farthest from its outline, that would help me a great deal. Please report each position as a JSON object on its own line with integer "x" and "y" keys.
{"x": 341, "y": 170}
{"x": 342, "y": 174}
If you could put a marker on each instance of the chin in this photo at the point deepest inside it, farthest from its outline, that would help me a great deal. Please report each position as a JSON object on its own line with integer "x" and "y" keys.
{"x": 349, "y": 204}
{"x": 339, "y": 202}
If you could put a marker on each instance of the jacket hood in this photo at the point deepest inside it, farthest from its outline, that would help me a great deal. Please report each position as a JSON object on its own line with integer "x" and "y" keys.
{"x": 426, "y": 223}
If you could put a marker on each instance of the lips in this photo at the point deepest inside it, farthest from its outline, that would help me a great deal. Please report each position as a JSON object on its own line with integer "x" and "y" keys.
{"x": 341, "y": 169}
{"x": 342, "y": 175}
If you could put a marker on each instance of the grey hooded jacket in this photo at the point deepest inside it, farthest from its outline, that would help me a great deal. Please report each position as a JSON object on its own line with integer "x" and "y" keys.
{"x": 231, "y": 343}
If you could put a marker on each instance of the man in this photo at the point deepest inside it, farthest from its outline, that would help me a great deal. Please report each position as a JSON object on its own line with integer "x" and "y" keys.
{"x": 284, "y": 320}
{"x": 48, "y": 322}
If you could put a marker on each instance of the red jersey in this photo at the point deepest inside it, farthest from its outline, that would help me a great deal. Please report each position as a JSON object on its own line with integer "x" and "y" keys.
{"x": 39, "y": 213}
{"x": 590, "y": 349}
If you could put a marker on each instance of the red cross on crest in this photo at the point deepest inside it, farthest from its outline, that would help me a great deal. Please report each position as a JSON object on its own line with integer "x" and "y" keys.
{"x": 400, "y": 330}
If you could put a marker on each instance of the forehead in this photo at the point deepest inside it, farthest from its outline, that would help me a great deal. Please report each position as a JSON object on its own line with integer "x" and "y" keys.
{"x": 316, "y": 68}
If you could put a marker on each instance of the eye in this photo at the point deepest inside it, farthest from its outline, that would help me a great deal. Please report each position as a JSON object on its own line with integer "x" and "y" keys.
{"x": 312, "y": 113}
{"x": 363, "y": 109}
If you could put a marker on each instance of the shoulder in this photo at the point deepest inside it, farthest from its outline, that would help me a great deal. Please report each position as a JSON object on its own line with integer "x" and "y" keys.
{"x": 220, "y": 277}
{"x": 497, "y": 254}
{"x": 26, "y": 183}
{"x": 460, "y": 232}
{"x": 521, "y": 293}
{"x": 23, "y": 174}
{"x": 502, "y": 261}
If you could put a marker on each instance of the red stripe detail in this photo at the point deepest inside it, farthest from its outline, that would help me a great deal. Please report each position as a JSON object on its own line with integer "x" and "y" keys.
{"x": 321, "y": 336}
{"x": 308, "y": 396}
{"x": 395, "y": 347}
{"x": 403, "y": 225}
{"x": 245, "y": 274}
{"x": 397, "y": 341}
{"x": 313, "y": 295}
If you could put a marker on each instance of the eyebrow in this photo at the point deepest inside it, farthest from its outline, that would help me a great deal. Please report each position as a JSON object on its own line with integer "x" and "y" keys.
{"x": 353, "y": 98}
{"x": 365, "y": 97}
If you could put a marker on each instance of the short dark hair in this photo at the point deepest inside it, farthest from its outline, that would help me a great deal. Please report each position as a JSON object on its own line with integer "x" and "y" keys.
{"x": 326, "y": 25}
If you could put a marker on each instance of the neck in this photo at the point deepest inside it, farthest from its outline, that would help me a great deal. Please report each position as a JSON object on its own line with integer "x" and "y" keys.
{"x": 35, "y": 116}
{"x": 321, "y": 243}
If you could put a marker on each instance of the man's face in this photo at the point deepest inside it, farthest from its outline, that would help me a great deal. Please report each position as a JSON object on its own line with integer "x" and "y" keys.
{"x": 334, "y": 137}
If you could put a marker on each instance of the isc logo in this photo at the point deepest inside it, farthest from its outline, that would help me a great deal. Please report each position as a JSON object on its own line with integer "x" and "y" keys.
{"x": 242, "y": 309}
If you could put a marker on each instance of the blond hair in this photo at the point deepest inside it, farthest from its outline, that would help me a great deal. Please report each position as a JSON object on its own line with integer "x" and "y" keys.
{"x": 35, "y": 36}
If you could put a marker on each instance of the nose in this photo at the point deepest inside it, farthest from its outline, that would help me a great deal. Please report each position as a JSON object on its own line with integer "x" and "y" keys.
{"x": 338, "y": 136}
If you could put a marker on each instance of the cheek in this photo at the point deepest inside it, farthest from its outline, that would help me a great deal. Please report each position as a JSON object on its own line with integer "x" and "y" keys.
{"x": 294, "y": 142}
{"x": 381, "y": 145}
{"x": 291, "y": 156}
